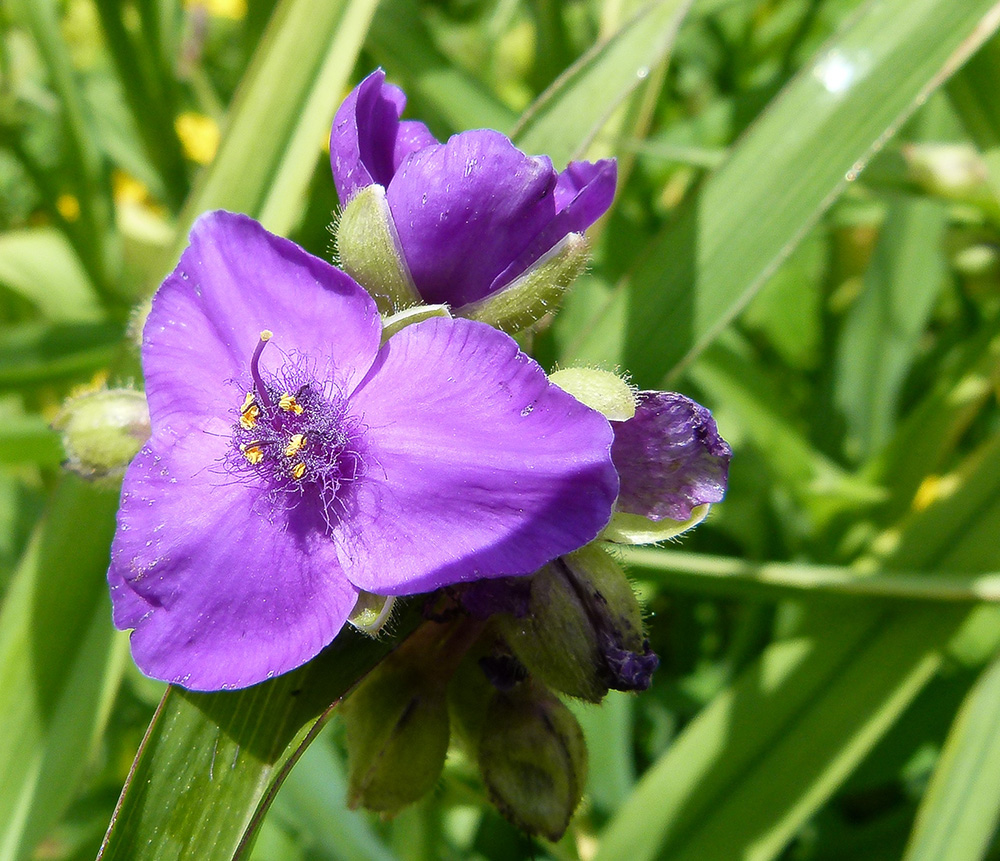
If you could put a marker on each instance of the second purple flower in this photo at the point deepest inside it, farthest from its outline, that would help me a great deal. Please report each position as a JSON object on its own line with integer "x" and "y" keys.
{"x": 468, "y": 217}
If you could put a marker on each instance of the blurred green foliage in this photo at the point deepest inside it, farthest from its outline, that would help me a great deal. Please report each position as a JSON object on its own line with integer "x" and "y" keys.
{"x": 806, "y": 238}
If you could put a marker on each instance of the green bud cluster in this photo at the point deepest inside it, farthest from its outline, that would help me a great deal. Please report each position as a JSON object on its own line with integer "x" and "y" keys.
{"x": 493, "y": 686}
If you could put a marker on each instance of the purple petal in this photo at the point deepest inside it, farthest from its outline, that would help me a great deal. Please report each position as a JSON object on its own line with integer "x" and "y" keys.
{"x": 412, "y": 136}
{"x": 484, "y": 468}
{"x": 367, "y": 141}
{"x": 465, "y": 210}
{"x": 234, "y": 280}
{"x": 670, "y": 457}
{"x": 220, "y": 593}
{"x": 583, "y": 193}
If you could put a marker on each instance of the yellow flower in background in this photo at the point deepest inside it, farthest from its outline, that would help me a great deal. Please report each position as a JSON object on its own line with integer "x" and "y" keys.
{"x": 199, "y": 136}
{"x": 68, "y": 206}
{"x": 234, "y": 9}
{"x": 128, "y": 189}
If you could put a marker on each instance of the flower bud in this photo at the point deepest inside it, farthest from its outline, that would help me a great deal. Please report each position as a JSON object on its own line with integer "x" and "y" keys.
{"x": 535, "y": 293}
{"x": 600, "y": 390}
{"x": 103, "y": 430}
{"x": 533, "y": 759}
{"x": 397, "y": 735}
{"x": 951, "y": 171}
{"x": 368, "y": 248}
{"x": 583, "y": 633}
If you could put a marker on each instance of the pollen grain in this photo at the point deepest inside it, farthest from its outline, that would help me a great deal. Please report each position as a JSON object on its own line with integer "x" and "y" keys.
{"x": 249, "y": 412}
{"x": 295, "y": 445}
{"x": 253, "y": 452}
{"x": 288, "y": 403}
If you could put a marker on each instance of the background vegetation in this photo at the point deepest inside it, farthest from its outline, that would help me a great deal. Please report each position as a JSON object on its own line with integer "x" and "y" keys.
{"x": 805, "y": 239}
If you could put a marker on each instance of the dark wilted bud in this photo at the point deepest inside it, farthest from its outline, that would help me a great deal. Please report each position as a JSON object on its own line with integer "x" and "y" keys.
{"x": 102, "y": 431}
{"x": 583, "y": 633}
{"x": 533, "y": 759}
{"x": 397, "y": 731}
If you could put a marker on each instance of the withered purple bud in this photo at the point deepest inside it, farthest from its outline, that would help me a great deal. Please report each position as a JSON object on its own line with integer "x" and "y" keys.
{"x": 583, "y": 634}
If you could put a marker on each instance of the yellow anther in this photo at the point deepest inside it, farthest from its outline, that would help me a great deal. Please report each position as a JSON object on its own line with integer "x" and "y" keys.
{"x": 288, "y": 403}
{"x": 295, "y": 445}
{"x": 249, "y": 413}
{"x": 298, "y": 470}
{"x": 248, "y": 419}
{"x": 253, "y": 452}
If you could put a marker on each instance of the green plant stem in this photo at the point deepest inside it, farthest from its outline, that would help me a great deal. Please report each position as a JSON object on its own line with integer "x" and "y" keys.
{"x": 694, "y": 572}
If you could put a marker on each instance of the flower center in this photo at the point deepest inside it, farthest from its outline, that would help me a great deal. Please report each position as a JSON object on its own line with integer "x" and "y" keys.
{"x": 294, "y": 438}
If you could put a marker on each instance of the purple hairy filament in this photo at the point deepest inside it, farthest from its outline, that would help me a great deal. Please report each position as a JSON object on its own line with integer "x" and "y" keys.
{"x": 294, "y": 438}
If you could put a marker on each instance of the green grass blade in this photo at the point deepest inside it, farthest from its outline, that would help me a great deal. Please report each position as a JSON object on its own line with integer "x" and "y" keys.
{"x": 35, "y": 352}
{"x": 41, "y": 18}
{"x": 282, "y": 112}
{"x": 565, "y": 119}
{"x": 961, "y": 808}
{"x": 882, "y": 331}
{"x": 314, "y": 798}
{"x": 40, "y": 266}
{"x": 784, "y": 172}
{"x": 608, "y": 728}
{"x": 210, "y": 764}
{"x": 153, "y": 107}
{"x": 60, "y": 663}
{"x": 773, "y": 745}
{"x": 758, "y": 403}
{"x": 447, "y": 95}
{"x": 29, "y": 439}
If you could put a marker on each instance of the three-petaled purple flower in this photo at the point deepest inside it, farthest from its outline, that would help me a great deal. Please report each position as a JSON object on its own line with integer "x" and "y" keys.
{"x": 295, "y": 460}
{"x": 471, "y": 215}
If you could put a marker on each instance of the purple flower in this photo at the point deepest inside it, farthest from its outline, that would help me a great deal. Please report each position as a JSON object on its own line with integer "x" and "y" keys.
{"x": 470, "y": 215}
{"x": 670, "y": 457}
{"x": 294, "y": 460}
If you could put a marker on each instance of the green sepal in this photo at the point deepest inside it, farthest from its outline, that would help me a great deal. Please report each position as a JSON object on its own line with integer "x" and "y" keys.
{"x": 600, "y": 390}
{"x": 368, "y": 250}
{"x": 407, "y": 317}
{"x": 371, "y": 613}
{"x": 537, "y": 292}
{"x": 626, "y": 528}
